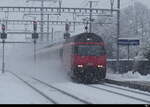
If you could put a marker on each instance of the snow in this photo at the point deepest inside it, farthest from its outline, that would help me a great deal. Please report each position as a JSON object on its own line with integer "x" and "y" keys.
{"x": 130, "y": 76}
{"x": 140, "y": 58}
{"x": 129, "y": 38}
{"x": 120, "y": 60}
{"x": 17, "y": 93}
{"x": 13, "y": 91}
{"x": 96, "y": 96}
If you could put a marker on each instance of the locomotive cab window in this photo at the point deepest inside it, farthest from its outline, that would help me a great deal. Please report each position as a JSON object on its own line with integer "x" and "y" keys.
{"x": 89, "y": 50}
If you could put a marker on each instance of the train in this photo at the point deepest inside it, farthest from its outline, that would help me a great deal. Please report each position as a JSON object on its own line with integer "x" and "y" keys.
{"x": 84, "y": 57}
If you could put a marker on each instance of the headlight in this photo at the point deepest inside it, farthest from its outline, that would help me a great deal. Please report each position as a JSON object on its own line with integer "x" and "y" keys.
{"x": 100, "y": 66}
{"x": 80, "y": 66}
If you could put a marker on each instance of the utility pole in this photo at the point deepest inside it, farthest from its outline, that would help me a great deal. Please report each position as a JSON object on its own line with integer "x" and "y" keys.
{"x": 3, "y": 61}
{"x": 91, "y": 3}
{"x": 91, "y": 11}
{"x": 52, "y": 36}
{"x": 60, "y": 5}
{"x": 118, "y": 35}
{"x": 35, "y": 37}
{"x": 48, "y": 27}
{"x": 42, "y": 18}
{"x": 74, "y": 25}
{"x": 25, "y": 30}
{"x": 6, "y": 18}
{"x": 112, "y": 4}
{"x": 3, "y": 37}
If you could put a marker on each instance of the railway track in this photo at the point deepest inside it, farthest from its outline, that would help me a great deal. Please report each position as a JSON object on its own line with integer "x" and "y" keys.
{"x": 62, "y": 91}
{"x": 129, "y": 90}
{"x": 140, "y": 85}
{"x": 122, "y": 92}
{"x": 35, "y": 89}
{"x": 46, "y": 96}
{"x": 49, "y": 91}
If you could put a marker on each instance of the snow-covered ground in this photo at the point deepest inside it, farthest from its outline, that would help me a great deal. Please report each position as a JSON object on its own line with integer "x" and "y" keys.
{"x": 13, "y": 91}
{"x": 19, "y": 59}
{"x": 130, "y": 76}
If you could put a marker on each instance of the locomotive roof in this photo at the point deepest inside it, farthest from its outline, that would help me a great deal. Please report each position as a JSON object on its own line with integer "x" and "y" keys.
{"x": 83, "y": 37}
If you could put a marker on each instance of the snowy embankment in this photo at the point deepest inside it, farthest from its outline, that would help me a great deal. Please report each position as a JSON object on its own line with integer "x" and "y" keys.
{"x": 130, "y": 76}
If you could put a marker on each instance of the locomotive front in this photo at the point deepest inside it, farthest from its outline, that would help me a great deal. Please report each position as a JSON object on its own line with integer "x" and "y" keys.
{"x": 88, "y": 58}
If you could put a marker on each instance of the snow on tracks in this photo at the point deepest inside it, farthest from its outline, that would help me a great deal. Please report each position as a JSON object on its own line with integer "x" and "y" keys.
{"x": 73, "y": 93}
{"x": 51, "y": 93}
{"x": 129, "y": 93}
{"x": 14, "y": 91}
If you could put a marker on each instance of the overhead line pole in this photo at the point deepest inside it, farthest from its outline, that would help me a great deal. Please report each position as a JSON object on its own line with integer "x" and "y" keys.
{"x": 91, "y": 14}
{"x": 42, "y": 18}
{"x": 3, "y": 37}
{"x": 3, "y": 61}
{"x": 118, "y": 35}
{"x": 91, "y": 2}
{"x": 48, "y": 24}
{"x": 52, "y": 36}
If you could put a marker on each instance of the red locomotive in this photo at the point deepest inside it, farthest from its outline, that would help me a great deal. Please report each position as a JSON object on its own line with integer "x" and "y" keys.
{"x": 84, "y": 56}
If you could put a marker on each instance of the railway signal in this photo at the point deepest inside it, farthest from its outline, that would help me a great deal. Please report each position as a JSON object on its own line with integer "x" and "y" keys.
{"x": 3, "y": 37}
{"x": 35, "y": 36}
{"x": 67, "y": 27}
{"x": 34, "y": 26}
{"x": 67, "y": 34}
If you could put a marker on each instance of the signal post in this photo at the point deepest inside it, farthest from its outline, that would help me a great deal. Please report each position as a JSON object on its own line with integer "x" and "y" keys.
{"x": 3, "y": 37}
{"x": 35, "y": 36}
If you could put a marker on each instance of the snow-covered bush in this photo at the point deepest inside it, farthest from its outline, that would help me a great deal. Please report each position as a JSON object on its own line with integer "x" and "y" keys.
{"x": 141, "y": 65}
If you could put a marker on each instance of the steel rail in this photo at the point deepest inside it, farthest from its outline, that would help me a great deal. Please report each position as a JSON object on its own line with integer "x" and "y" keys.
{"x": 35, "y": 89}
{"x": 117, "y": 93}
{"x": 62, "y": 91}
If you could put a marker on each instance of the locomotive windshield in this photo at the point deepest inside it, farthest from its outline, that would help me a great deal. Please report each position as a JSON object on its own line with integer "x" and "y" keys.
{"x": 90, "y": 50}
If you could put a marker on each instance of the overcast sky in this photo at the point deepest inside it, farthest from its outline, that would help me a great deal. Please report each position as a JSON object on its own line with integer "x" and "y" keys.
{"x": 71, "y": 3}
